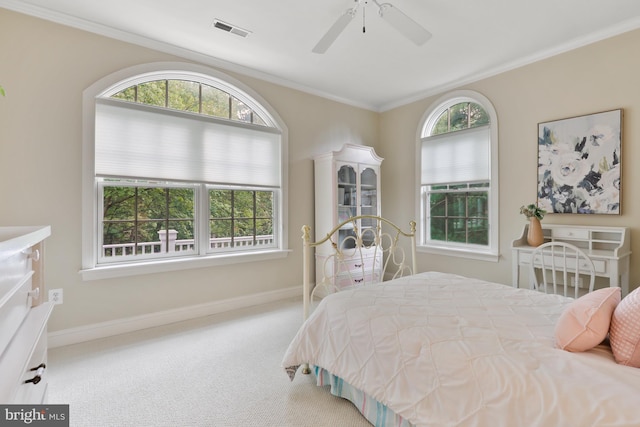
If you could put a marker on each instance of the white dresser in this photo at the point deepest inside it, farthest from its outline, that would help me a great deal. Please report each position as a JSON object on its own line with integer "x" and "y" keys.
{"x": 24, "y": 313}
{"x": 608, "y": 247}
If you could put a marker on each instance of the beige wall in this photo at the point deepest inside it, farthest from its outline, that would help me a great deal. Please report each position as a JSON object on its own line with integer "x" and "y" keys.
{"x": 45, "y": 67}
{"x": 598, "y": 77}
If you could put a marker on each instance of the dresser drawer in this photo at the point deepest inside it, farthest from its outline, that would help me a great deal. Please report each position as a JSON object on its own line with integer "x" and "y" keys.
{"x": 14, "y": 307}
{"x": 347, "y": 280}
{"x": 358, "y": 264}
{"x": 27, "y": 350}
{"x": 33, "y": 384}
{"x": 599, "y": 265}
{"x": 566, "y": 233}
{"x": 12, "y": 269}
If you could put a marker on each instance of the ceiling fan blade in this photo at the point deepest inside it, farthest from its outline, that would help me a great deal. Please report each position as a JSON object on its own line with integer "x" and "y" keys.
{"x": 405, "y": 25}
{"x": 335, "y": 30}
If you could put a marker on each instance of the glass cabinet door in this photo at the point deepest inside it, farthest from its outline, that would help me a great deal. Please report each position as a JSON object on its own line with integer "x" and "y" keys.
{"x": 347, "y": 203}
{"x": 368, "y": 197}
{"x": 347, "y": 193}
{"x": 368, "y": 192}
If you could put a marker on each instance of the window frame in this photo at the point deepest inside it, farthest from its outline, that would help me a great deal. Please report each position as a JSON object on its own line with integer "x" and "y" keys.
{"x": 275, "y": 216}
{"x": 113, "y": 83}
{"x": 140, "y": 184}
{"x": 468, "y": 191}
{"x": 490, "y": 252}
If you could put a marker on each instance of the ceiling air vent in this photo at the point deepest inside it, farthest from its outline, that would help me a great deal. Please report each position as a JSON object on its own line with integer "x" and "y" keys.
{"x": 233, "y": 29}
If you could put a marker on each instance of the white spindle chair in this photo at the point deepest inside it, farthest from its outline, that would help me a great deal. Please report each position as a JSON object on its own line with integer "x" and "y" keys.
{"x": 556, "y": 267}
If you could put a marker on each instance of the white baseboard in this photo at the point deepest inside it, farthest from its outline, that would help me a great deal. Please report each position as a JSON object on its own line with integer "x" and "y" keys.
{"x": 131, "y": 324}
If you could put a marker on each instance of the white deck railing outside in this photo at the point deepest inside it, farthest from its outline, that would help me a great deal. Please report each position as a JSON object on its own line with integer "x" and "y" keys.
{"x": 183, "y": 245}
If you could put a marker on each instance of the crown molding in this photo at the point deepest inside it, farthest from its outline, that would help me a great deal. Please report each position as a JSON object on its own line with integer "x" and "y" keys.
{"x": 138, "y": 40}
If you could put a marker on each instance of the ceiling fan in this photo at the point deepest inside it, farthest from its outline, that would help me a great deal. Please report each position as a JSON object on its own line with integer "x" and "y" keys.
{"x": 396, "y": 18}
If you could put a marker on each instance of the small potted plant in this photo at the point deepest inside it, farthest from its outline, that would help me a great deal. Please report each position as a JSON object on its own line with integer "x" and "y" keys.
{"x": 532, "y": 210}
{"x": 535, "y": 236}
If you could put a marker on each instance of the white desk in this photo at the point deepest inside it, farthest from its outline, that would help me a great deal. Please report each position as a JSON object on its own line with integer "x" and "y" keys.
{"x": 608, "y": 247}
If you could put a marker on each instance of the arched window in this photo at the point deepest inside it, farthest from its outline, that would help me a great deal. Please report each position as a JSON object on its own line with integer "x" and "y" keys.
{"x": 186, "y": 168}
{"x": 192, "y": 96}
{"x": 458, "y": 184}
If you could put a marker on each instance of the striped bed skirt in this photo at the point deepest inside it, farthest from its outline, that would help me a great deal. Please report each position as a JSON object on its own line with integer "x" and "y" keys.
{"x": 375, "y": 412}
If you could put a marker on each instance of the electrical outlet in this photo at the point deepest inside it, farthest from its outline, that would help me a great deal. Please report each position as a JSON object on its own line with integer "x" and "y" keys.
{"x": 55, "y": 296}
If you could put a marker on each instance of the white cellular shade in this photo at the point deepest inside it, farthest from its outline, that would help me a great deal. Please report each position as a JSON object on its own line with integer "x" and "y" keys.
{"x": 456, "y": 157}
{"x": 138, "y": 141}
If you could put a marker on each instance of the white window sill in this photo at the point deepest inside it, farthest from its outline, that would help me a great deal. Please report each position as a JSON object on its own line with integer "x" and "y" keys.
{"x": 459, "y": 252}
{"x": 175, "y": 264}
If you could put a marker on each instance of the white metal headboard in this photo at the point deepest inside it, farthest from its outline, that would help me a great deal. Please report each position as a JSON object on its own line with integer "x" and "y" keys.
{"x": 371, "y": 252}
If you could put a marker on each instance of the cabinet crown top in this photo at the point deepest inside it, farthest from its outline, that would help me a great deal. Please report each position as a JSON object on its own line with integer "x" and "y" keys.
{"x": 354, "y": 153}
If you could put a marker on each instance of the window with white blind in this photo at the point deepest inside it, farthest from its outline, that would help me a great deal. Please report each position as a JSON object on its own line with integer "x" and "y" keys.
{"x": 187, "y": 169}
{"x": 458, "y": 179}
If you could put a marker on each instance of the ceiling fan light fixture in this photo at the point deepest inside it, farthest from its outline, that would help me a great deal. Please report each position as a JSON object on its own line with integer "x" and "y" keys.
{"x": 391, "y": 14}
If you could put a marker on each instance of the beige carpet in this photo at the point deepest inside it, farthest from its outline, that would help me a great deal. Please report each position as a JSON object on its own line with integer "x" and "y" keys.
{"x": 222, "y": 370}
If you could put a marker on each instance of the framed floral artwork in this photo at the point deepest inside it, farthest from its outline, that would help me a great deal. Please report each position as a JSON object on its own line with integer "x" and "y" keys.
{"x": 579, "y": 164}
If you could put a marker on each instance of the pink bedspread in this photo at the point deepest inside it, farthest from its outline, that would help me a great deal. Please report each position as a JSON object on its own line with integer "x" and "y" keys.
{"x": 445, "y": 350}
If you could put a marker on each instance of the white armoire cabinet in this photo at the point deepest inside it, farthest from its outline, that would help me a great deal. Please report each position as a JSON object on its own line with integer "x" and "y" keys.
{"x": 347, "y": 184}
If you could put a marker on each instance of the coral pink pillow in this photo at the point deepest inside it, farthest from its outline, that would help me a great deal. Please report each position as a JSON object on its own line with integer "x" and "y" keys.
{"x": 585, "y": 322}
{"x": 625, "y": 330}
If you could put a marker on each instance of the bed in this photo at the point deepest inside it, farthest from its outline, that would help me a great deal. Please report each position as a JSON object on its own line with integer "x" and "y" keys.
{"x": 438, "y": 349}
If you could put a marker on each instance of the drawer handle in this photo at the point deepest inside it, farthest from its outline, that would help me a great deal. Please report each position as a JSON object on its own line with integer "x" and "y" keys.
{"x": 358, "y": 280}
{"x": 358, "y": 265}
{"x": 39, "y": 371}
{"x": 35, "y": 255}
{"x": 35, "y": 380}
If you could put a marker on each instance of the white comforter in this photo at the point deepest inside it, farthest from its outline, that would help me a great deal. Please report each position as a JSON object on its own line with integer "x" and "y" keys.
{"x": 445, "y": 350}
